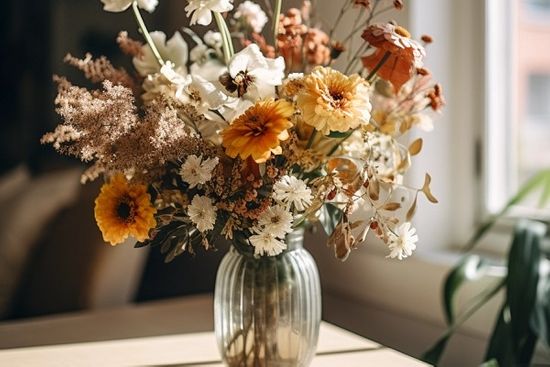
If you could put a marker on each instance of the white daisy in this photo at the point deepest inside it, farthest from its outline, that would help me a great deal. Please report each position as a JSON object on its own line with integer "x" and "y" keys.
{"x": 201, "y": 10}
{"x": 403, "y": 242}
{"x": 275, "y": 220}
{"x": 290, "y": 190}
{"x": 266, "y": 243}
{"x": 253, "y": 76}
{"x": 174, "y": 50}
{"x": 202, "y": 213}
{"x": 252, "y": 14}
{"x": 121, "y": 5}
{"x": 195, "y": 171}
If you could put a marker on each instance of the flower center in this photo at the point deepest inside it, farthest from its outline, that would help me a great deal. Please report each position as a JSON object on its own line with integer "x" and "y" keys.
{"x": 239, "y": 84}
{"x": 337, "y": 98}
{"x": 402, "y": 32}
{"x": 125, "y": 210}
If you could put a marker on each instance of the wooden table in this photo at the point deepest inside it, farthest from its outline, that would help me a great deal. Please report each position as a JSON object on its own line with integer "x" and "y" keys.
{"x": 167, "y": 333}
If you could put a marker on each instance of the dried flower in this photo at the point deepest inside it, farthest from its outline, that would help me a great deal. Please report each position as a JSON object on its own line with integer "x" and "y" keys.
{"x": 394, "y": 45}
{"x": 201, "y": 10}
{"x": 174, "y": 50}
{"x": 253, "y": 76}
{"x": 292, "y": 192}
{"x": 276, "y": 220}
{"x": 196, "y": 171}
{"x": 403, "y": 242}
{"x": 332, "y": 101}
{"x": 266, "y": 243}
{"x": 258, "y": 132}
{"x": 121, "y": 5}
{"x": 252, "y": 15}
{"x": 202, "y": 213}
{"x": 123, "y": 209}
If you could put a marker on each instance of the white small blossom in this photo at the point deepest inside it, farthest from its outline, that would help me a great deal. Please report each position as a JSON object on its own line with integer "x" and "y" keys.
{"x": 290, "y": 190}
{"x": 196, "y": 171}
{"x": 252, "y": 14}
{"x": 167, "y": 83}
{"x": 266, "y": 243}
{"x": 174, "y": 50}
{"x": 403, "y": 242}
{"x": 201, "y": 10}
{"x": 213, "y": 39}
{"x": 202, "y": 213}
{"x": 117, "y": 6}
{"x": 276, "y": 220}
{"x": 257, "y": 74}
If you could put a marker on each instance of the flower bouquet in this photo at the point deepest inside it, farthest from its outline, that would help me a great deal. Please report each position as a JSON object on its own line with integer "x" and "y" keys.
{"x": 253, "y": 135}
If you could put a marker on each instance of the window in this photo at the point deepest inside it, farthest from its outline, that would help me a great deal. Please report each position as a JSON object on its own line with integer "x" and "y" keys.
{"x": 518, "y": 98}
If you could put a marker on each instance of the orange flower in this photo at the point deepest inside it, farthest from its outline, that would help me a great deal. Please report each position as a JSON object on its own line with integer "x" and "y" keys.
{"x": 258, "y": 132}
{"x": 123, "y": 209}
{"x": 401, "y": 53}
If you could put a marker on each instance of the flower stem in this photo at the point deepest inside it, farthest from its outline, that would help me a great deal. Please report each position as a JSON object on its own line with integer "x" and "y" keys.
{"x": 276, "y": 19}
{"x": 227, "y": 45}
{"x": 311, "y": 138}
{"x": 378, "y": 66}
{"x": 145, "y": 33}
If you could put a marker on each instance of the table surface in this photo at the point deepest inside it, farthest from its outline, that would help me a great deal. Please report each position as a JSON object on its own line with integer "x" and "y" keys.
{"x": 171, "y": 333}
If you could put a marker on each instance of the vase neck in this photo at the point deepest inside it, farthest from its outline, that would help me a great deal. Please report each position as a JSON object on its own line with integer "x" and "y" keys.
{"x": 295, "y": 239}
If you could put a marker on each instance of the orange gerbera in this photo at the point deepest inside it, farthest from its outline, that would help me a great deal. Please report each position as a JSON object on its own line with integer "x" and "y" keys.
{"x": 394, "y": 47}
{"x": 123, "y": 209}
{"x": 258, "y": 132}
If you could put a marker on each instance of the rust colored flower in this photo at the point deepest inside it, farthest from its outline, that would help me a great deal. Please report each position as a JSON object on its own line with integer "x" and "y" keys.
{"x": 123, "y": 209}
{"x": 258, "y": 132}
{"x": 399, "y": 54}
{"x": 316, "y": 47}
{"x": 437, "y": 100}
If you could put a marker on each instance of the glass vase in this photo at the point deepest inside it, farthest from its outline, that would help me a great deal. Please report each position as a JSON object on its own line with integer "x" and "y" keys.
{"x": 267, "y": 310}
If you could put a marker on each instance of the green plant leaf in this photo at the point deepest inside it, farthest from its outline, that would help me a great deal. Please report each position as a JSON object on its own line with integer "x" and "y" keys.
{"x": 540, "y": 320}
{"x": 433, "y": 355}
{"x": 339, "y": 135}
{"x": 491, "y": 363}
{"x": 534, "y": 183}
{"x": 500, "y": 346}
{"x": 523, "y": 278}
{"x": 329, "y": 216}
{"x": 470, "y": 268}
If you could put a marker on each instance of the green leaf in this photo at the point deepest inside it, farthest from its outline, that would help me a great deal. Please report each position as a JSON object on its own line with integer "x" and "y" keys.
{"x": 470, "y": 268}
{"x": 527, "y": 188}
{"x": 545, "y": 196}
{"x": 523, "y": 278}
{"x": 490, "y": 363}
{"x": 339, "y": 135}
{"x": 433, "y": 355}
{"x": 500, "y": 345}
{"x": 540, "y": 320}
{"x": 329, "y": 216}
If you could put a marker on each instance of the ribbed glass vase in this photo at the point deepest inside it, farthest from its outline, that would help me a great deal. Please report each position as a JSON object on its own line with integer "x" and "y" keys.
{"x": 267, "y": 310}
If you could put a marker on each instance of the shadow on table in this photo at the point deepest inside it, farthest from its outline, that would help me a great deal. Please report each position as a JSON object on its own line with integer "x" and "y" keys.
{"x": 218, "y": 362}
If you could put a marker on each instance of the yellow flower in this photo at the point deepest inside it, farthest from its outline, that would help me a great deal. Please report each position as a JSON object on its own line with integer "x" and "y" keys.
{"x": 258, "y": 132}
{"x": 332, "y": 101}
{"x": 123, "y": 209}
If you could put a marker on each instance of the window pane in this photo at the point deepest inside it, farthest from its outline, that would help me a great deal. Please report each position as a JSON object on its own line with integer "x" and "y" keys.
{"x": 532, "y": 55}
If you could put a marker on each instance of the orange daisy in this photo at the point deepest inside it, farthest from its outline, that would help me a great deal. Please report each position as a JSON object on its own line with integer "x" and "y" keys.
{"x": 123, "y": 209}
{"x": 258, "y": 132}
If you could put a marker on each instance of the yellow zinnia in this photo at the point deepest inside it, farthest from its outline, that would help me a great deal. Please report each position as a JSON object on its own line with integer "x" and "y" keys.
{"x": 123, "y": 209}
{"x": 258, "y": 132}
{"x": 332, "y": 101}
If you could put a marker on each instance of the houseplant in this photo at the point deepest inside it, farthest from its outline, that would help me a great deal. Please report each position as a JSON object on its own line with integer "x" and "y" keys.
{"x": 524, "y": 317}
{"x": 254, "y": 146}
